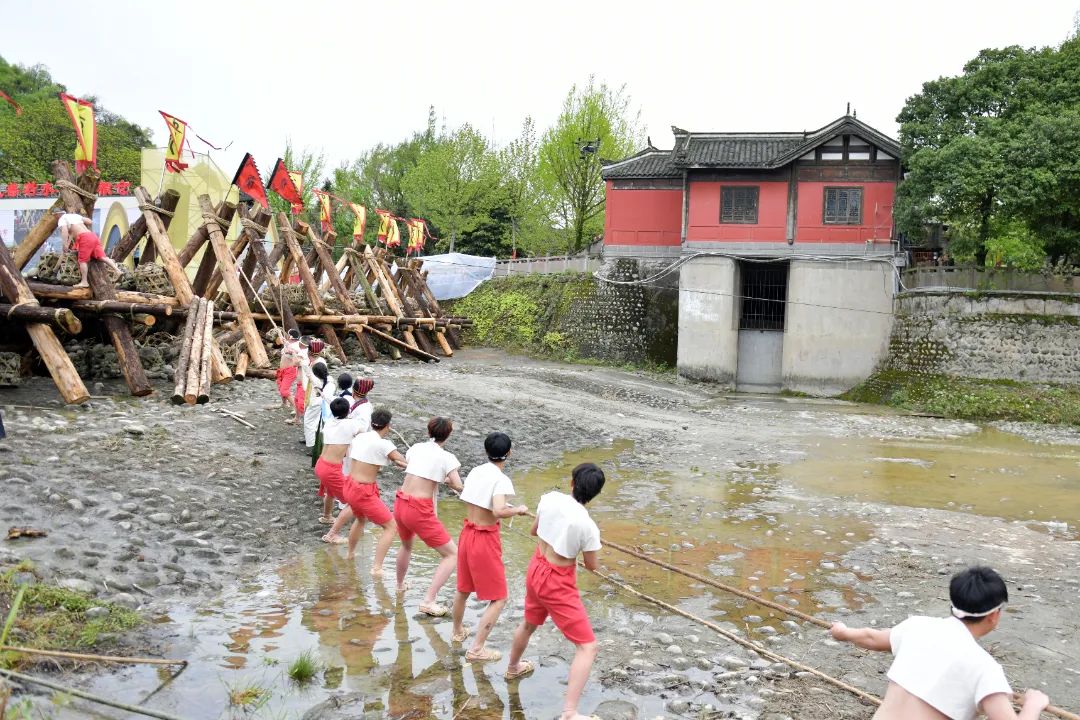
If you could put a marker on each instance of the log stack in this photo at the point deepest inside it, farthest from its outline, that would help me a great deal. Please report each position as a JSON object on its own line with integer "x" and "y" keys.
{"x": 382, "y": 302}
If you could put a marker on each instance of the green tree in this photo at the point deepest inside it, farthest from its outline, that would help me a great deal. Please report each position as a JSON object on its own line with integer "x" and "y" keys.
{"x": 524, "y": 199}
{"x": 569, "y": 172}
{"x": 993, "y": 151}
{"x": 42, "y": 134}
{"x": 311, "y": 165}
{"x": 454, "y": 184}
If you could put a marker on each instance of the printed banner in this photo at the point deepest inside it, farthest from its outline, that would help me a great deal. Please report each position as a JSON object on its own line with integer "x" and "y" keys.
{"x": 326, "y": 218}
{"x": 248, "y": 180}
{"x": 175, "y": 148}
{"x": 384, "y": 225}
{"x": 82, "y": 117}
{"x": 360, "y": 222}
{"x": 393, "y": 238}
{"x": 282, "y": 183}
{"x": 417, "y": 230}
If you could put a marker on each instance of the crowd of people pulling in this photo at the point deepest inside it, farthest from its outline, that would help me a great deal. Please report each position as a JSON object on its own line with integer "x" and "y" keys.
{"x": 939, "y": 670}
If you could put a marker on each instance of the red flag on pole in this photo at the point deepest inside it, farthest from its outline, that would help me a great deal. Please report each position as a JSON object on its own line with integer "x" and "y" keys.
{"x": 5, "y": 96}
{"x": 248, "y": 180}
{"x": 281, "y": 183}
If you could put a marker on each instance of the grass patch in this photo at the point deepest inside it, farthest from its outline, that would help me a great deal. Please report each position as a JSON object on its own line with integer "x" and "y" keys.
{"x": 305, "y": 667}
{"x": 54, "y": 618}
{"x": 971, "y": 398}
{"x": 248, "y": 697}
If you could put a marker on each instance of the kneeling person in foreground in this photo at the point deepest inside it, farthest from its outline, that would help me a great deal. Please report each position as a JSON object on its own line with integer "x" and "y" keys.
{"x": 479, "y": 559}
{"x": 565, "y": 530}
{"x": 940, "y": 670}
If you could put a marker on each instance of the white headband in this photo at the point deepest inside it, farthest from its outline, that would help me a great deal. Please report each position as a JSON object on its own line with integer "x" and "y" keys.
{"x": 961, "y": 614}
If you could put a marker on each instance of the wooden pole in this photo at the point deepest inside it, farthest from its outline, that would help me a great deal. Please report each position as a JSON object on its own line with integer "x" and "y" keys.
{"x": 388, "y": 338}
{"x": 67, "y": 380}
{"x": 62, "y": 318}
{"x": 203, "y": 395}
{"x": 69, "y": 201}
{"x": 270, "y": 277}
{"x": 167, "y": 202}
{"x": 297, "y": 257}
{"x": 236, "y": 291}
{"x": 240, "y": 371}
{"x": 63, "y": 292}
{"x": 193, "y": 379}
{"x": 126, "y": 309}
{"x": 225, "y": 210}
{"x": 184, "y": 359}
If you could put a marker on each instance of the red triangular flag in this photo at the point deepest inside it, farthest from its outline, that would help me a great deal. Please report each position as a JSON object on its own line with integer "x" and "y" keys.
{"x": 281, "y": 183}
{"x": 248, "y": 180}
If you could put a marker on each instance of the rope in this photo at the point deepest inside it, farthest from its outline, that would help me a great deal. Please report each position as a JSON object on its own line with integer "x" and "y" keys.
{"x": 215, "y": 218}
{"x": 66, "y": 185}
{"x": 721, "y": 586}
{"x": 18, "y": 304}
{"x": 154, "y": 208}
{"x": 259, "y": 299}
{"x": 249, "y": 224}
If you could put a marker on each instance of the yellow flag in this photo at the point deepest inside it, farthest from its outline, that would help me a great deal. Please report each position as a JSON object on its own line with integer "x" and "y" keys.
{"x": 384, "y": 225}
{"x": 393, "y": 239}
{"x": 175, "y": 148}
{"x": 416, "y": 236}
{"x": 297, "y": 180}
{"x": 82, "y": 117}
{"x": 325, "y": 217}
{"x": 361, "y": 220}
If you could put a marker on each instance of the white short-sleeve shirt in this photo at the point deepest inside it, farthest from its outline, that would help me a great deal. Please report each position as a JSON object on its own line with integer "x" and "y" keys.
{"x": 341, "y": 431}
{"x": 939, "y": 661}
{"x": 428, "y": 460}
{"x": 483, "y": 483}
{"x": 565, "y": 525}
{"x": 362, "y": 412}
{"x": 370, "y": 448}
{"x": 68, "y": 219}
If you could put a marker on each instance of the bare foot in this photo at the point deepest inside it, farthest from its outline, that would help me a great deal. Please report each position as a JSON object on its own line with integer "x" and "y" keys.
{"x": 376, "y": 571}
{"x": 334, "y": 539}
{"x": 403, "y": 587}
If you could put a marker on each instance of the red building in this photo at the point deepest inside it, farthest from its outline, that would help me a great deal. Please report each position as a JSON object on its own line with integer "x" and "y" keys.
{"x": 769, "y": 225}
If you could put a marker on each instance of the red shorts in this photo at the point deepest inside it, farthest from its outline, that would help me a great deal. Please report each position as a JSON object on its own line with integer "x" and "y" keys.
{"x": 552, "y": 590}
{"x": 331, "y": 479}
{"x": 285, "y": 377}
{"x": 416, "y": 516}
{"x": 479, "y": 562}
{"x": 89, "y": 246}
{"x": 298, "y": 398}
{"x": 365, "y": 502}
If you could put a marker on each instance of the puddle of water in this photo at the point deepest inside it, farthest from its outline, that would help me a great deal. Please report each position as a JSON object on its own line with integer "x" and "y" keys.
{"x": 989, "y": 473}
{"x": 737, "y": 526}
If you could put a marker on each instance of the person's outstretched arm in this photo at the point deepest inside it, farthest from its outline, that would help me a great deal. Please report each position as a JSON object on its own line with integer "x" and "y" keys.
{"x": 999, "y": 706}
{"x": 866, "y": 638}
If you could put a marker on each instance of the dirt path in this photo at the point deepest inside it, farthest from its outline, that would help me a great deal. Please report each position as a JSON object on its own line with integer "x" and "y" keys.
{"x": 148, "y": 504}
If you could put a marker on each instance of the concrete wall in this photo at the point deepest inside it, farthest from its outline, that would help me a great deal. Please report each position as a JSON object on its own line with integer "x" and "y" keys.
{"x": 839, "y": 319}
{"x": 1031, "y": 337}
{"x": 708, "y": 320}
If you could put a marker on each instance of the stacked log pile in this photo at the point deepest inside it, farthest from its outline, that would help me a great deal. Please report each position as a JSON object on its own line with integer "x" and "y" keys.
{"x": 242, "y": 288}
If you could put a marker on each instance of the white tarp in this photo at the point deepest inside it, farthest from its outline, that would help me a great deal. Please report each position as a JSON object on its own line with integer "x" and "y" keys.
{"x": 456, "y": 275}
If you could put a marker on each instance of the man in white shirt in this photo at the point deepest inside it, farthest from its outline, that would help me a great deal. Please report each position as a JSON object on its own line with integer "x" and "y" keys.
{"x": 940, "y": 670}
{"x": 479, "y": 557}
{"x": 429, "y": 466}
{"x": 565, "y": 530}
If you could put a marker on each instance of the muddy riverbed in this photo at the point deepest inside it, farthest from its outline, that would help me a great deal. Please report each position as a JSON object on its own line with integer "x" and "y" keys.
{"x": 841, "y": 511}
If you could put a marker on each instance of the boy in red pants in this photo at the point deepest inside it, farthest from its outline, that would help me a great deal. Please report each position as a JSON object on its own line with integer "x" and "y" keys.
{"x": 75, "y": 232}
{"x": 479, "y": 561}
{"x": 565, "y": 530}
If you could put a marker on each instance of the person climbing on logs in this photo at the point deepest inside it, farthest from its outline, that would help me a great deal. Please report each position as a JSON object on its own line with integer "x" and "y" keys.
{"x": 565, "y": 531}
{"x": 940, "y": 670}
{"x": 369, "y": 452}
{"x": 414, "y": 510}
{"x": 77, "y": 237}
{"x": 293, "y": 355}
{"x": 479, "y": 561}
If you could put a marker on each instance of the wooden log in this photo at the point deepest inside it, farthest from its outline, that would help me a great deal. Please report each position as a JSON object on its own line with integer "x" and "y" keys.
{"x": 119, "y": 330}
{"x": 268, "y": 275}
{"x": 356, "y": 265}
{"x": 390, "y": 320}
{"x": 208, "y": 340}
{"x": 327, "y": 262}
{"x": 225, "y": 210}
{"x": 342, "y": 263}
{"x": 62, "y": 318}
{"x": 310, "y": 286}
{"x": 452, "y": 335}
{"x": 261, "y": 373}
{"x": 248, "y": 236}
{"x": 67, "y": 380}
{"x": 123, "y": 308}
{"x": 184, "y": 358}
{"x": 64, "y": 292}
{"x": 230, "y": 337}
{"x": 69, "y": 201}
{"x": 235, "y": 251}
{"x": 390, "y": 293}
{"x": 411, "y": 281}
{"x": 391, "y": 340}
{"x": 331, "y": 337}
{"x": 193, "y": 380}
{"x": 367, "y": 347}
{"x": 137, "y": 230}
{"x": 149, "y": 253}
{"x": 236, "y": 291}
{"x": 240, "y": 371}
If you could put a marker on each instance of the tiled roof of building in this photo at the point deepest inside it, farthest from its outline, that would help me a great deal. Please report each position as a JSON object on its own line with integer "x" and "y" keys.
{"x": 764, "y": 151}
{"x": 650, "y": 162}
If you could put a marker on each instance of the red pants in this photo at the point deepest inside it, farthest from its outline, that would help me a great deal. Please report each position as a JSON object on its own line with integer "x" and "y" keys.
{"x": 298, "y": 398}
{"x": 285, "y": 377}
{"x": 331, "y": 480}
{"x": 552, "y": 590}
{"x": 89, "y": 246}
{"x": 364, "y": 501}
{"x": 479, "y": 562}
{"x": 416, "y": 516}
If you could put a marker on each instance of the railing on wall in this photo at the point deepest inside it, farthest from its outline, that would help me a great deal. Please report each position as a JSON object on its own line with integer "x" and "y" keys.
{"x": 548, "y": 265}
{"x": 982, "y": 278}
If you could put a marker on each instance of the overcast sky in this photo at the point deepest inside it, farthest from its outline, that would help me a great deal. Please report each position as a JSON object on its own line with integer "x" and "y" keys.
{"x": 343, "y": 76}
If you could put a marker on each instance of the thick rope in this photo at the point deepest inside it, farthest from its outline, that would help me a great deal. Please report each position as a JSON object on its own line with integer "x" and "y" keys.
{"x": 154, "y": 208}
{"x": 721, "y": 586}
{"x": 214, "y": 218}
{"x": 250, "y": 224}
{"x": 65, "y": 185}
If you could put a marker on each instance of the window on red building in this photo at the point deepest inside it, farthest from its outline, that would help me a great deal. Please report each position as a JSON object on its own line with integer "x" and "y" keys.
{"x": 739, "y": 204}
{"x": 843, "y": 206}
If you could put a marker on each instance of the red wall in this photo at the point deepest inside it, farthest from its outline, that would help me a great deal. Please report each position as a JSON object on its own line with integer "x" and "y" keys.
{"x": 704, "y": 221}
{"x": 877, "y": 214}
{"x": 642, "y": 217}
